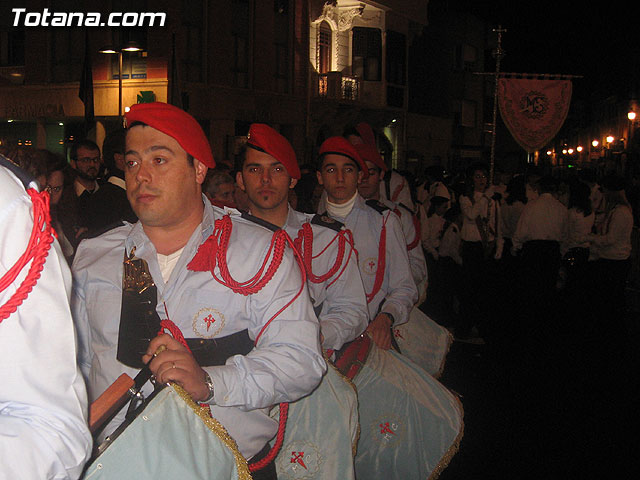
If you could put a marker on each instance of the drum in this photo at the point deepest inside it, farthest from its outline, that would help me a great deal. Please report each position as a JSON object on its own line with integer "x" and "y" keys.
{"x": 410, "y": 424}
{"x": 322, "y": 432}
{"x": 170, "y": 436}
{"x": 424, "y": 341}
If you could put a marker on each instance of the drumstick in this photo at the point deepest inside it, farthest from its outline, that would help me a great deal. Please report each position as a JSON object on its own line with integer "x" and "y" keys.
{"x": 114, "y": 397}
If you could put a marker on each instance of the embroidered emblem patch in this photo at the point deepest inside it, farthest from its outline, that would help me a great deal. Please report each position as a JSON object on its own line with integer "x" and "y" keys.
{"x": 370, "y": 266}
{"x": 327, "y": 219}
{"x": 208, "y": 322}
{"x": 387, "y": 429}
{"x": 397, "y": 333}
{"x": 299, "y": 461}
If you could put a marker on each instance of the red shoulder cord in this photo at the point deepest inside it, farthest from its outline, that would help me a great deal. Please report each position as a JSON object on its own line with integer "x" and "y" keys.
{"x": 215, "y": 248}
{"x": 418, "y": 227}
{"x": 37, "y": 250}
{"x": 304, "y": 244}
{"x": 382, "y": 257}
{"x": 396, "y": 192}
{"x": 214, "y": 252}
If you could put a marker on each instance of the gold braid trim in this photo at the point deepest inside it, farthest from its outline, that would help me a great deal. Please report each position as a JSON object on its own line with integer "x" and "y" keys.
{"x": 453, "y": 449}
{"x": 354, "y": 446}
{"x": 444, "y": 358}
{"x": 217, "y": 428}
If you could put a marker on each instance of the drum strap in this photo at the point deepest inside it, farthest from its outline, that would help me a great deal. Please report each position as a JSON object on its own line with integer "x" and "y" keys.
{"x": 139, "y": 323}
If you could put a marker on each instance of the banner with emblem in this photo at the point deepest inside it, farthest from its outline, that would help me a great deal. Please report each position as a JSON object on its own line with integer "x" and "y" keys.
{"x": 534, "y": 109}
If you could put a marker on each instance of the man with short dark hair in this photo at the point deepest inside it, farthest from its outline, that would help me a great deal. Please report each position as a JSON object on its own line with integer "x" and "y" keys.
{"x": 248, "y": 345}
{"x": 328, "y": 417}
{"x": 109, "y": 205}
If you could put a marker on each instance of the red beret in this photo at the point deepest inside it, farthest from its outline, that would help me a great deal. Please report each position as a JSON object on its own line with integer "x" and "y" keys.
{"x": 341, "y": 146}
{"x": 264, "y": 138}
{"x": 176, "y": 123}
{"x": 366, "y": 133}
{"x": 370, "y": 153}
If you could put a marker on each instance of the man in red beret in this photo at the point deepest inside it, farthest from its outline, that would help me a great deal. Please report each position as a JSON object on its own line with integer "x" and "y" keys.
{"x": 240, "y": 355}
{"x": 394, "y": 186}
{"x": 328, "y": 417}
{"x": 390, "y": 294}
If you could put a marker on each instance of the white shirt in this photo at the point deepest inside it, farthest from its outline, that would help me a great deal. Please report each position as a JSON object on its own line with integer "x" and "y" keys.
{"x": 431, "y": 232}
{"x": 578, "y": 230}
{"x": 398, "y": 292}
{"x": 286, "y": 364}
{"x": 484, "y": 207}
{"x": 43, "y": 401}
{"x": 79, "y": 188}
{"x": 416, "y": 255}
{"x": 543, "y": 218}
{"x": 398, "y": 190}
{"x": 615, "y": 242}
{"x": 341, "y": 298}
{"x": 450, "y": 245}
{"x": 509, "y": 216}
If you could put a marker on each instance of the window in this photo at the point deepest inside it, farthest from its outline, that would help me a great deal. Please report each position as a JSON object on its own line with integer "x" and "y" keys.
{"x": 396, "y": 58}
{"x": 68, "y": 45}
{"x": 281, "y": 44}
{"x": 367, "y": 53}
{"x": 12, "y": 48}
{"x": 324, "y": 48}
{"x": 193, "y": 14}
{"x": 240, "y": 34}
{"x": 465, "y": 113}
{"x": 466, "y": 57}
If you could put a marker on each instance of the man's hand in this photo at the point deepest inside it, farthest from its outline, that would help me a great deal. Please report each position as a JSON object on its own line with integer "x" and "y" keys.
{"x": 178, "y": 365}
{"x": 380, "y": 330}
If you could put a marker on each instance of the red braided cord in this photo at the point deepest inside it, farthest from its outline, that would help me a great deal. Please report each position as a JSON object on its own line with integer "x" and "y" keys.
{"x": 222, "y": 232}
{"x": 37, "y": 250}
{"x": 279, "y": 237}
{"x": 416, "y": 225}
{"x": 174, "y": 330}
{"x": 306, "y": 249}
{"x": 382, "y": 256}
{"x": 351, "y": 250}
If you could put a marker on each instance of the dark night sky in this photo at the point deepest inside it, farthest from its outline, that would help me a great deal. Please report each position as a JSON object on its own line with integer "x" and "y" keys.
{"x": 599, "y": 40}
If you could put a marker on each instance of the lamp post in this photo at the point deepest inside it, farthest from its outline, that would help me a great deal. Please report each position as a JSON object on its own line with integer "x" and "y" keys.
{"x": 128, "y": 47}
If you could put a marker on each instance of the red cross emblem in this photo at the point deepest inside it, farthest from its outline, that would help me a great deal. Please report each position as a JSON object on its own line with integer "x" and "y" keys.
{"x": 385, "y": 428}
{"x": 209, "y": 320}
{"x": 397, "y": 334}
{"x": 372, "y": 264}
{"x": 297, "y": 457}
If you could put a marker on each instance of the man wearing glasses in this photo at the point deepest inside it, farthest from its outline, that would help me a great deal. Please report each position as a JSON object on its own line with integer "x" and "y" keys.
{"x": 86, "y": 161}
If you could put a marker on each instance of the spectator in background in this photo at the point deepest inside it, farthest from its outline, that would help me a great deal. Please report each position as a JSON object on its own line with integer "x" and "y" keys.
{"x": 580, "y": 222}
{"x": 55, "y": 185}
{"x": 219, "y": 187}
{"x": 108, "y": 207}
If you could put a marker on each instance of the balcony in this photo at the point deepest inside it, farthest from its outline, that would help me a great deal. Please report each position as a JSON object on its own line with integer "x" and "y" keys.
{"x": 337, "y": 86}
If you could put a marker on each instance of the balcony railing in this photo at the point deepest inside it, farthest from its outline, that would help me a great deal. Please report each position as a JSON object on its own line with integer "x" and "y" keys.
{"x": 336, "y": 86}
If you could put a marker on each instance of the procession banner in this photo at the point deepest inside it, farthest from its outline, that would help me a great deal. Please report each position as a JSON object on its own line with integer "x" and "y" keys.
{"x": 533, "y": 109}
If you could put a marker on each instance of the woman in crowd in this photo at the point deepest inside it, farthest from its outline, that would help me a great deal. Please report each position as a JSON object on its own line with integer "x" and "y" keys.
{"x": 580, "y": 222}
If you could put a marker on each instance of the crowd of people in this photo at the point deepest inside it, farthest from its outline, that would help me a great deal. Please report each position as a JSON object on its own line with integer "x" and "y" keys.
{"x": 326, "y": 294}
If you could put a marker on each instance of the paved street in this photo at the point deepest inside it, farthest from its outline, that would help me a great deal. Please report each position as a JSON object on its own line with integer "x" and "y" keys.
{"x": 572, "y": 419}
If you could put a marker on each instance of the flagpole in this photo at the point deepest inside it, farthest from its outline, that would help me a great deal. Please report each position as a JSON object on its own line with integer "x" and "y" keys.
{"x": 498, "y": 54}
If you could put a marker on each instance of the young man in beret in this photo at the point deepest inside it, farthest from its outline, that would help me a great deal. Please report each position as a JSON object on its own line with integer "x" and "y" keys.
{"x": 403, "y": 434}
{"x": 268, "y": 171}
{"x": 272, "y": 354}
{"x": 369, "y": 189}
{"x": 382, "y": 249}
{"x": 431, "y": 351}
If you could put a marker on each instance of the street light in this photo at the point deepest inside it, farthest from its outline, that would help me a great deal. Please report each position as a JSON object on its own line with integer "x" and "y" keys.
{"x": 128, "y": 47}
